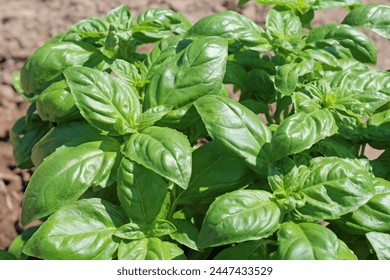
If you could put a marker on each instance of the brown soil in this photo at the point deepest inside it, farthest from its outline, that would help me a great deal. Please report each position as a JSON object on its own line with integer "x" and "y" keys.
{"x": 27, "y": 24}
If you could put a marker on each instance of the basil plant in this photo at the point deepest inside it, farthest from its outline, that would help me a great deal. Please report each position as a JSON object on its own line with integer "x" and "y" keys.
{"x": 143, "y": 155}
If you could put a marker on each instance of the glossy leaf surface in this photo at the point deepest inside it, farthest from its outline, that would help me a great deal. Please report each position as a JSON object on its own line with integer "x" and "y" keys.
{"x": 66, "y": 174}
{"x": 82, "y": 230}
{"x": 235, "y": 127}
{"x": 334, "y": 187}
{"x": 163, "y": 150}
{"x": 141, "y": 192}
{"x": 149, "y": 249}
{"x": 103, "y": 101}
{"x": 239, "y": 216}
{"x": 373, "y": 17}
{"x": 307, "y": 241}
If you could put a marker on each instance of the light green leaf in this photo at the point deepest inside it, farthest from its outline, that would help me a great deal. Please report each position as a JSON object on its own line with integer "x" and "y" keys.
{"x": 301, "y": 131}
{"x": 300, "y": 6}
{"x": 329, "y": 4}
{"x": 56, "y": 104}
{"x": 48, "y": 62}
{"x": 231, "y": 26}
{"x": 196, "y": 71}
{"x": 356, "y": 41}
{"x": 127, "y": 72}
{"x": 141, "y": 192}
{"x": 79, "y": 231}
{"x": 380, "y": 242}
{"x": 149, "y": 249}
{"x": 239, "y": 130}
{"x": 152, "y": 115}
{"x": 374, "y": 215}
{"x": 239, "y": 216}
{"x": 309, "y": 241}
{"x": 120, "y": 16}
{"x": 154, "y": 24}
{"x": 164, "y": 151}
{"x": 60, "y": 135}
{"x": 66, "y": 174}
{"x": 285, "y": 28}
{"x": 334, "y": 187}
{"x": 361, "y": 92}
{"x": 92, "y": 27}
{"x": 287, "y": 75}
{"x": 104, "y": 102}
{"x": 373, "y": 17}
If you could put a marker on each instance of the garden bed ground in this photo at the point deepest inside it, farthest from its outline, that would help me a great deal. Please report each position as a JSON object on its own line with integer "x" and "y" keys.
{"x": 26, "y": 24}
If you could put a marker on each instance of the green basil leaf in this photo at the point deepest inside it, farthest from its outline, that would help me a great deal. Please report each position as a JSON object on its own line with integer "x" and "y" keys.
{"x": 156, "y": 23}
{"x": 141, "y": 192}
{"x": 164, "y": 151}
{"x": 134, "y": 231}
{"x": 345, "y": 253}
{"x": 336, "y": 146}
{"x": 162, "y": 53}
{"x": 284, "y": 178}
{"x": 287, "y": 76}
{"x": 72, "y": 171}
{"x": 327, "y": 59}
{"x": 193, "y": 73}
{"x": 285, "y": 28}
{"x": 81, "y": 230}
{"x": 60, "y": 135}
{"x": 23, "y": 138}
{"x": 120, "y": 16}
{"x": 186, "y": 233}
{"x": 375, "y": 214}
{"x": 329, "y": 4}
{"x": 130, "y": 231}
{"x": 308, "y": 241}
{"x": 380, "y": 242}
{"x": 232, "y": 26}
{"x": 127, "y": 72}
{"x": 236, "y": 128}
{"x": 241, "y": 3}
{"x": 56, "y": 104}
{"x": 361, "y": 92}
{"x": 236, "y": 75}
{"x": 48, "y": 62}
{"x": 377, "y": 131}
{"x": 361, "y": 80}
{"x": 301, "y": 131}
{"x": 152, "y": 115}
{"x": 4, "y": 255}
{"x": 103, "y": 101}
{"x": 356, "y": 41}
{"x": 16, "y": 247}
{"x": 92, "y": 27}
{"x": 373, "y": 17}
{"x": 260, "y": 86}
{"x": 239, "y": 216}
{"x": 149, "y": 249}
{"x": 381, "y": 165}
{"x": 161, "y": 228}
{"x": 214, "y": 173}
{"x": 334, "y": 187}
{"x": 251, "y": 250}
